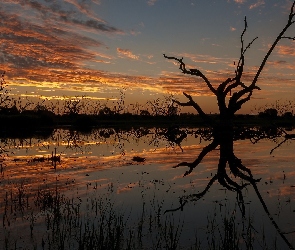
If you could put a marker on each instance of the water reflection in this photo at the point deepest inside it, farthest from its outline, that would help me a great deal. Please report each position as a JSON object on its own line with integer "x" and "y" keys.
{"x": 230, "y": 167}
{"x": 105, "y": 160}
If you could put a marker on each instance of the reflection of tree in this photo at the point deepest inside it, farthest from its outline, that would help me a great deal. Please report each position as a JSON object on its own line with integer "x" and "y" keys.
{"x": 73, "y": 140}
{"x": 228, "y": 162}
{"x": 173, "y": 135}
{"x": 286, "y": 138}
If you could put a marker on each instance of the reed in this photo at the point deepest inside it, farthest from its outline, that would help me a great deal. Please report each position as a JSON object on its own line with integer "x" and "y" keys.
{"x": 51, "y": 220}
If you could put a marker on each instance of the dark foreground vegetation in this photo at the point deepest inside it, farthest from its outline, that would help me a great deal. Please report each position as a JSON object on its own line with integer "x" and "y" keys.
{"x": 18, "y": 122}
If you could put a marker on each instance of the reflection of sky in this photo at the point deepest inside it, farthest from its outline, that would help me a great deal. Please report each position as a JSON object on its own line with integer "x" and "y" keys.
{"x": 95, "y": 164}
{"x": 94, "y": 48}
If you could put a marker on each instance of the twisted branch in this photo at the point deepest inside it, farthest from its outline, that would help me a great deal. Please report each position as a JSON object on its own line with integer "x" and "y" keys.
{"x": 194, "y": 72}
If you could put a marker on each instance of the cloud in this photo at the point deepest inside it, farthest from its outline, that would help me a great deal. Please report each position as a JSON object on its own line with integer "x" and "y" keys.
{"x": 151, "y": 2}
{"x": 83, "y": 6}
{"x": 257, "y": 4}
{"x": 25, "y": 45}
{"x": 240, "y": 1}
{"x": 176, "y": 83}
{"x": 204, "y": 58}
{"x": 47, "y": 40}
{"x": 127, "y": 53}
{"x": 276, "y": 63}
{"x": 59, "y": 13}
{"x": 93, "y": 24}
{"x": 284, "y": 50}
{"x": 50, "y": 48}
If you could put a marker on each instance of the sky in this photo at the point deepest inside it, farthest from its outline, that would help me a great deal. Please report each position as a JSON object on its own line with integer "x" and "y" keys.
{"x": 55, "y": 49}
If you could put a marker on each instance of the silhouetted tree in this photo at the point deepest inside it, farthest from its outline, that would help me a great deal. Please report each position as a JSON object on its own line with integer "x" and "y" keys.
{"x": 223, "y": 133}
{"x": 269, "y": 113}
{"x": 241, "y": 93}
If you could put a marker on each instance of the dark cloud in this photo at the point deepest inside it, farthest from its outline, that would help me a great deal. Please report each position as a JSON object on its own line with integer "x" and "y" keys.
{"x": 25, "y": 45}
{"x": 96, "y": 25}
{"x": 48, "y": 39}
{"x": 71, "y": 12}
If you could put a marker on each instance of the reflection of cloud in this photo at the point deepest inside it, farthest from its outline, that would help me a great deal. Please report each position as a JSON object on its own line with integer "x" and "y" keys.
{"x": 127, "y": 188}
{"x": 127, "y": 53}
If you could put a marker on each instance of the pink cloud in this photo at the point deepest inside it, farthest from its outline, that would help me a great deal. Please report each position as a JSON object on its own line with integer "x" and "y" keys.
{"x": 286, "y": 50}
{"x": 127, "y": 53}
{"x": 152, "y": 2}
{"x": 255, "y": 5}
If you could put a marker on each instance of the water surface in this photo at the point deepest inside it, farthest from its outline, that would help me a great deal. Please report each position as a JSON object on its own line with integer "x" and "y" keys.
{"x": 85, "y": 166}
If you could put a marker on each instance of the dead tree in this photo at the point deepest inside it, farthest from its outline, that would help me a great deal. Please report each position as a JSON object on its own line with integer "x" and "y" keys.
{"x": 241, "y": 92}
{"x": 223, "y": 132}
{"x": 234, "y": 87}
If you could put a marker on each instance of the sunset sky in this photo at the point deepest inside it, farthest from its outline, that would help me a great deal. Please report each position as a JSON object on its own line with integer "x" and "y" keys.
{"x": 56, "y": 48}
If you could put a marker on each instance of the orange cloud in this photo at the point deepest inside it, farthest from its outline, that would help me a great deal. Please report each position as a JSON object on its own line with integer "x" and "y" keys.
{"x": 284, "y": 50}
{"x": 40, "y": 52}
{"x": 259, "y": 3}
{"x": 127, "y": 53}
{"x": 203, "y": 58}
{"x": 44, "y": 50}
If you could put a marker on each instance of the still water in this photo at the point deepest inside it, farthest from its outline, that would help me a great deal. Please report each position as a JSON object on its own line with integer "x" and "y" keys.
{"x": 133, "y": 171}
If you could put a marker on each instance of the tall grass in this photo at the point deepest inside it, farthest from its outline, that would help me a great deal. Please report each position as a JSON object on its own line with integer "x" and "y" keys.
{"x": 52, "y": 220}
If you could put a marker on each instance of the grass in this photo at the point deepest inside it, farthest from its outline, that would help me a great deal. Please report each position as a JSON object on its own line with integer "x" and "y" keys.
{"x": 51, "y": 220}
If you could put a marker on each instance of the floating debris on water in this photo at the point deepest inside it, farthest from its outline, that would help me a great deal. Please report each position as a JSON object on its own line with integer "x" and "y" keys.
{"x": 138, "y": 159}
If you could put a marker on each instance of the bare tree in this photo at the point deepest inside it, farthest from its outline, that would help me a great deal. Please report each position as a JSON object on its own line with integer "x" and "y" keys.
{"x": 223, "y": 133}
{"x": 241, "y": 92}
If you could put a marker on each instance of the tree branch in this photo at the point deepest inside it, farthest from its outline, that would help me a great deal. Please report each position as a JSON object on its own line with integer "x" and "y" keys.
{"x": 269, "y": 215}
{"x": 240, "y": 66}
{"x": 192, "y": 103}
{"x": 194, "y": 164}
{"x": 288, "y": 37}
{"x": 194, "y": 72}
{"x": 193, "y": 197}
{"x": 279, "y": 37}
